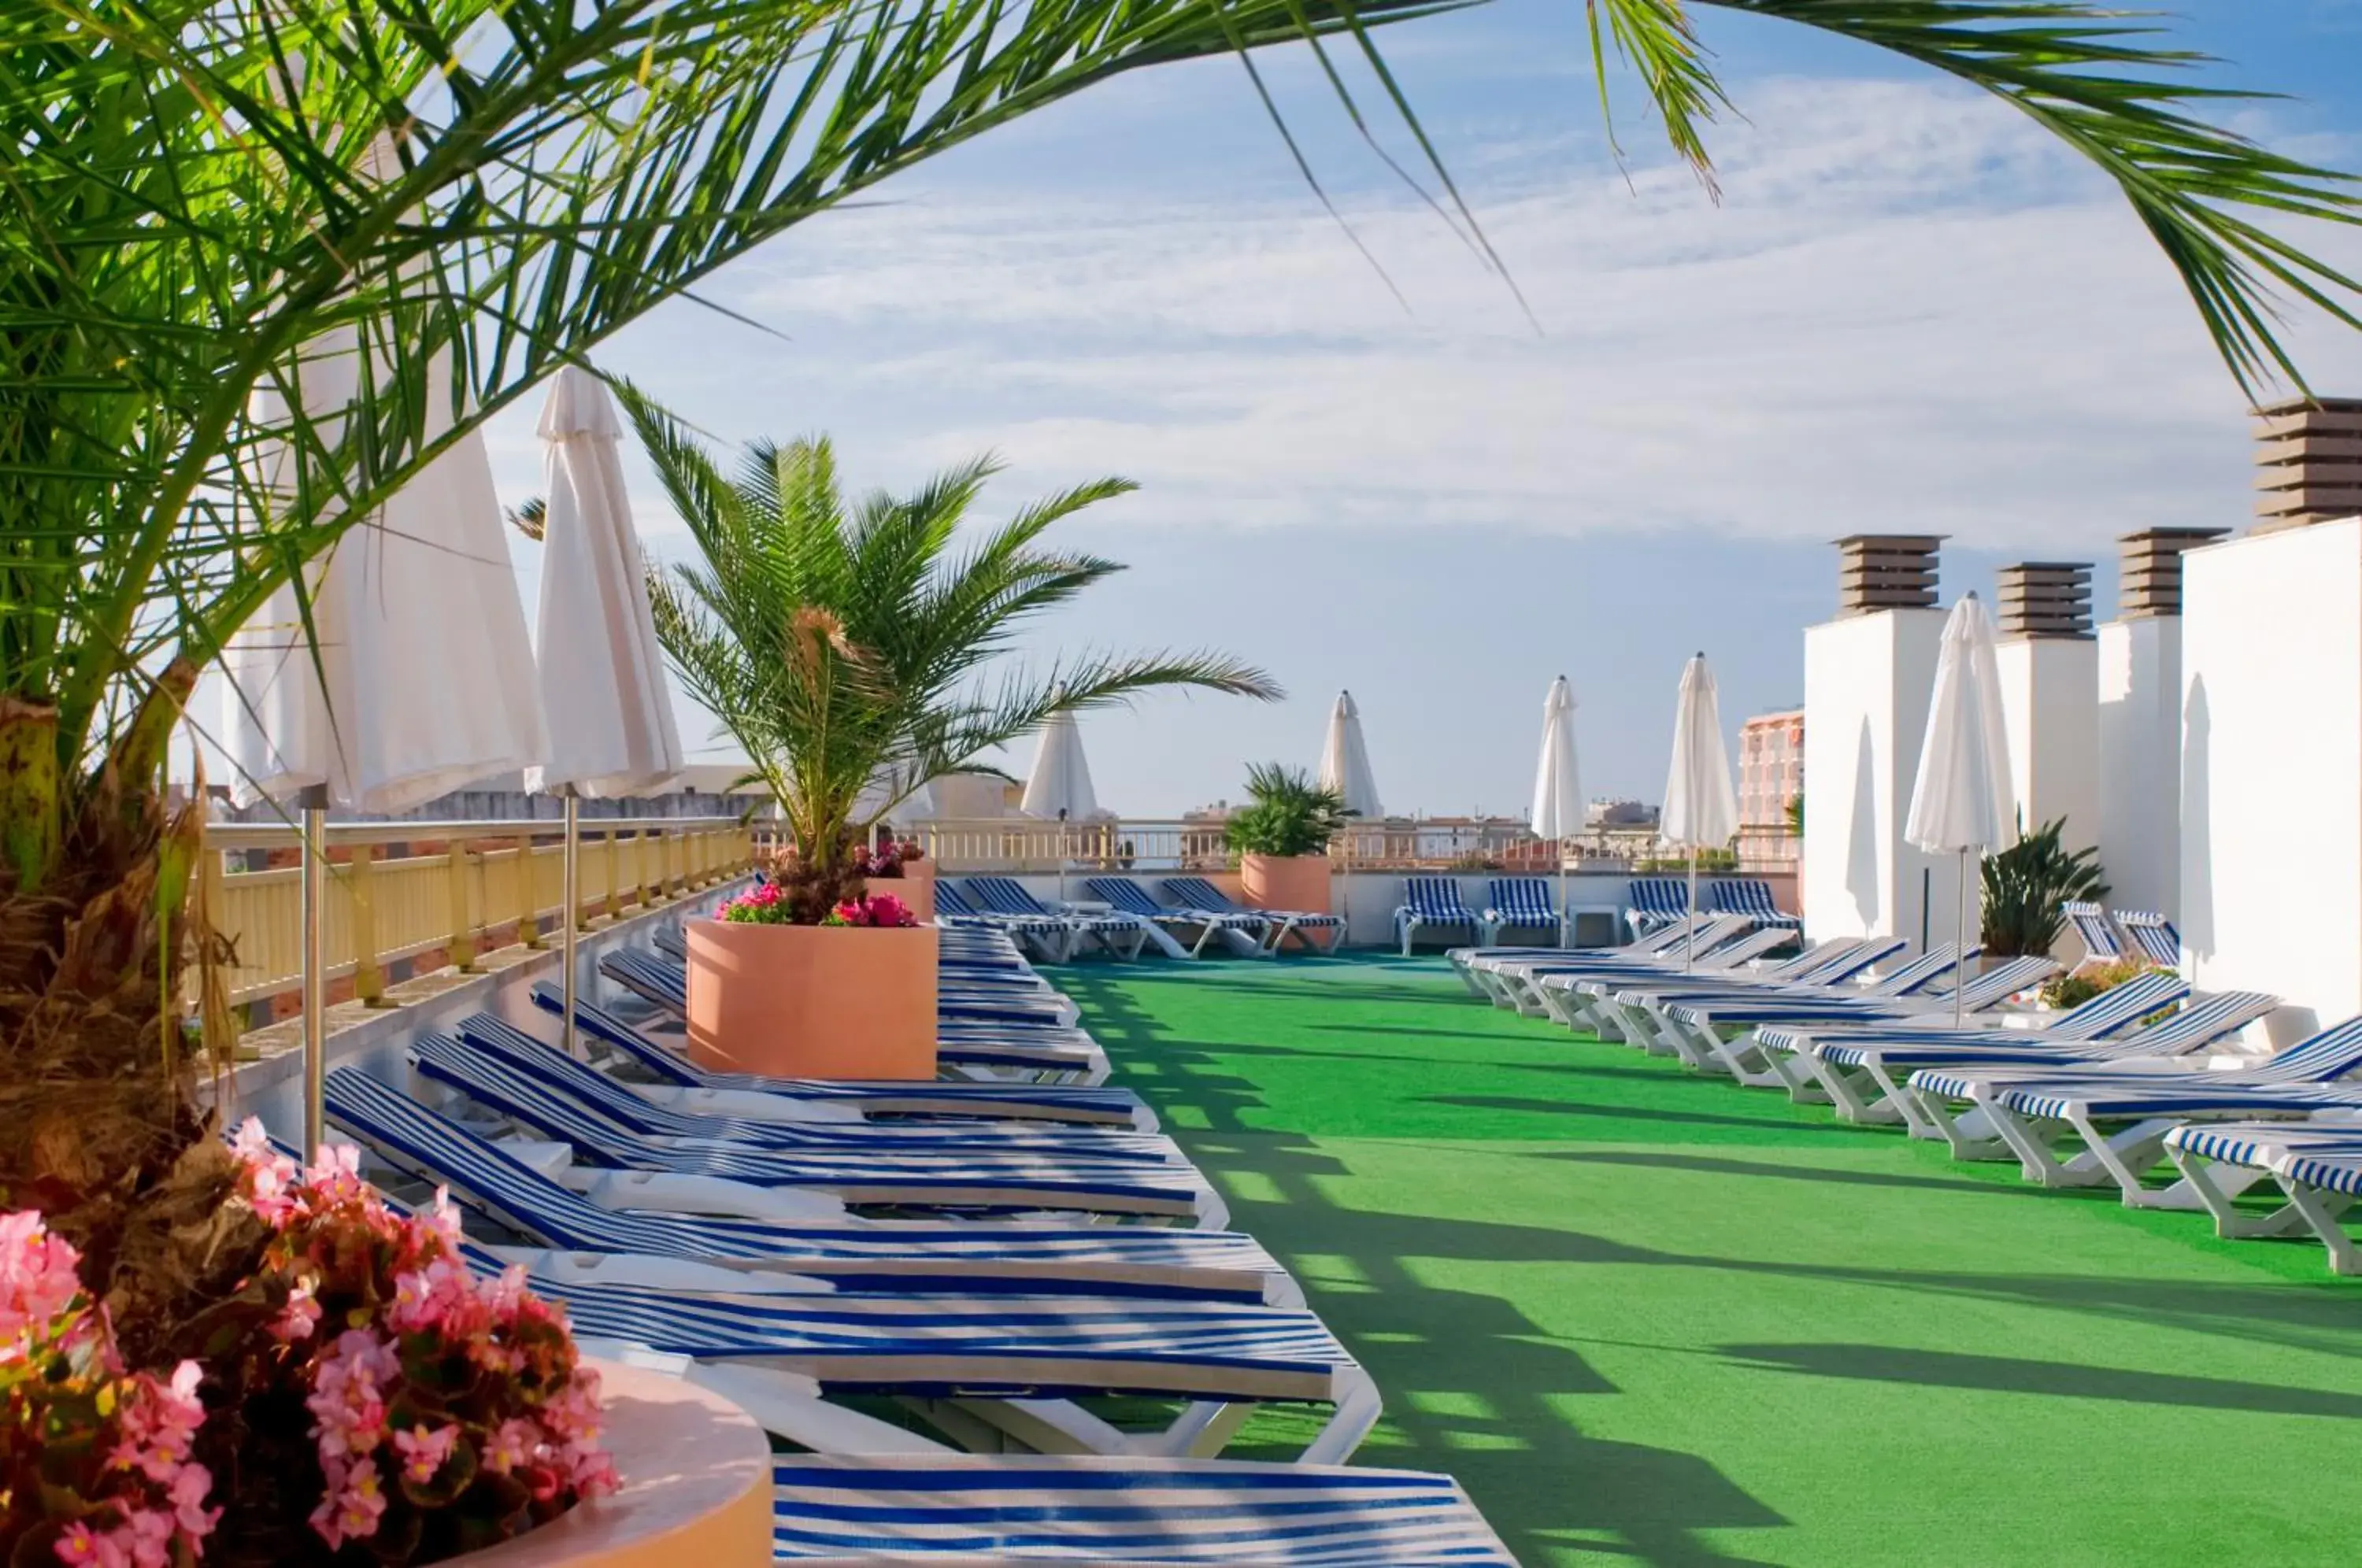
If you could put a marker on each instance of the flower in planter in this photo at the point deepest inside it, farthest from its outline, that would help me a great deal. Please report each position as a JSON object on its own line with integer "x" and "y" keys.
{"x": 758, "y": 905}
{"x": 889, "y": 860}
{"x": 874, "y": 909}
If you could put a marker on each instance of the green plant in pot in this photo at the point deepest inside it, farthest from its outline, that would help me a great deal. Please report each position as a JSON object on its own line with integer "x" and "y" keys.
{"x": 1281, "y": 837}
{"x": 2025, "y": 884}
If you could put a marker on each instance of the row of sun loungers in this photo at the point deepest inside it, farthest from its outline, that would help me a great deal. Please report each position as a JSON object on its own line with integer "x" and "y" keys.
{"x": 1014, "y": 1254}
{"x": 2142, "y": 1089}
{"x": 1525, "y": 903}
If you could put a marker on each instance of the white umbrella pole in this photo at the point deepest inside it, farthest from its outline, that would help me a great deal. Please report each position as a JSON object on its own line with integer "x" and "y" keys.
{"x": 571, "y": 861}
{"x": 1960, "y": 938}
{"x": 1689, "y": 943}
{"x": 315, "y": 968}
{"x": 1565, "y": 920}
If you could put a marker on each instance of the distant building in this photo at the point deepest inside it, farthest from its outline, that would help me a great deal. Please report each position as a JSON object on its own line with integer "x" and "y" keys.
{"x": 1771, "y": 768}
{"x": 1607, "y": 814}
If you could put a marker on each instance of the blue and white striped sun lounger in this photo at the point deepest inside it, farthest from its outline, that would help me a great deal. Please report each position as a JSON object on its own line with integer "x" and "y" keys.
{"x": 1748, "y": 896}
{"x": 2317, "y": 1164}
{"x": 1615, "y": 1004}
{"x": 1435, "y": 900}
{"x": 2119, "y": 1113}
{"x": 1522, "y": 903}
{"x": 893, "y": 1255}
{"x": 1496, "y": 974}
{"x": 1654, "y": 901}
{"x": 1077, "y": 1104}
{"x": 1703, "y": 1032}
{"x": 1123, "y": 935}
{"x": 737, "y": 1175}
{"x": 2154, "y": 935}
{"x": 1862, "y": 1071}
{"x": 1523, "y": 980}
{"x": 2102, "y": 943}
{"x": 970, "y": 1036}
{"x": 1220, "y": 1358}
{"x": 978, "y": 1508}
{"x": 955, "y": 913}
{"x": 1197, "y": 893}
{"x": 1128, "y": 897}
{"x": 776, "y": 1121}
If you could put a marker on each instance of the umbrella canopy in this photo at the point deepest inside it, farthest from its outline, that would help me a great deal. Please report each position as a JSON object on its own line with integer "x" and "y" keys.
{"x": 1962, "y": 798}
{"x": 1345, "y": 760}
{"x": 1701, "y": 809}
{"x": 603, "y": 682}
{"x": 423, "y": 682}
{"x": 1558, "y": 789}
{"x": 1061, "y": 780}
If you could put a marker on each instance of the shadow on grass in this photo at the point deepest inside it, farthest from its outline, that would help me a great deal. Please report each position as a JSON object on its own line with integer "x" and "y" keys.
{"x": 2072, "y": 1380}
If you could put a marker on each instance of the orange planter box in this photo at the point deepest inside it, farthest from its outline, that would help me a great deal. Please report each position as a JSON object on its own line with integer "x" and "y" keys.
{"x": 697, "y": 1486}
{"x": 812, "y": 1001}
{"x": 1286, "y": 881}
{"x": 915, "y": 887}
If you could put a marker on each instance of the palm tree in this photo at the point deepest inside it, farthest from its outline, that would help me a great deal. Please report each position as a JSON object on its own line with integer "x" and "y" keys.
{"x": 261, "y": 260}
{"x": 852, "y": 653}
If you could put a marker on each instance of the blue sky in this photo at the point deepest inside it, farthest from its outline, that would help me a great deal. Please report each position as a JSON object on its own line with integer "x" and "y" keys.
{"x": 1908, "y": 313}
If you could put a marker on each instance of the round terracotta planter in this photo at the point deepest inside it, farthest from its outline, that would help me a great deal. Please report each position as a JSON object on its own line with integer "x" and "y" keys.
{"x": 1297, "y": 882}
{"x": 697, "y": 1486}
{"x": 915, "y": 887}
{"x": 812, "y": 1001}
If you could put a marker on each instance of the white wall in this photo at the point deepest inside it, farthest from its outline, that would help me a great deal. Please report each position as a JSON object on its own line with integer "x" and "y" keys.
{"x": 2139, "y": 731}
{"x": 2271, "y": 791}
{"x": 1867, "y": 681}
{"x": 2049, "y": 696}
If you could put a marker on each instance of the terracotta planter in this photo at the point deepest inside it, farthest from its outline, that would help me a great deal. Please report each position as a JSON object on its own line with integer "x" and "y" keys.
{"x": 915, "y": 887}
{"x": 1286, "y": 882}
{"x": 697, "y": 1486}
{"x": 812, "y": 1001}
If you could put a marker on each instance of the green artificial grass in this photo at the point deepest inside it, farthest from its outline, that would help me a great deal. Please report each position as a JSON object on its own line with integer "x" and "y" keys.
{"x": 1646, "y": 1316}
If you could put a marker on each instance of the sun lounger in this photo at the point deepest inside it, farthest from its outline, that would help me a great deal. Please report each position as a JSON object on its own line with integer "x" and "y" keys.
{"x": 1522, "y": 903}
{"x": 1497, "y": 973}
{"x": 1128, "y": 897}
{"x": 2154, "y": 935}
{"x": 1748, "y": 896}
{"x": 1435, "y": 900}
{"x": 853, "y": 1254}
{"x": 1197, "y": 893}
{"x": 2317, "y": 1165}
{"x": 1582, "y": 1000}
{"x": 1088, "y": 1104}
{"x": 1703, "y": 1032}
{"x": 1048, "y": 933}
{"x": 1123, "y": 935}
{"x": 978, "y": 1510}
{"x": 1654, "y": 901}
{"x": 727, "y": 1175}
{"x": 1862, "y": 1072}
{"x": 2102, "y": 943}
{"x": 2115, "y": 1117}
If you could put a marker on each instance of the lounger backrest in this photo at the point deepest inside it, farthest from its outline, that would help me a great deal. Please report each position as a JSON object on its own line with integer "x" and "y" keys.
{"x": 670, "y": 941}
{"x": 2094, "y": 930}
{"x": 949, "y": 899}
{"x": 1436, "y": 899}
{"x": 1872, "y": 950}
{"x": 1920, "y": 973}
{"x": 601, "y": 1024}
{"x": 2331, "y": 1053}
{"x": 1668, "y": 938}
{"x": 498, "y": 1086}
{"x": 1807, "y": 966}
{"x": 1659, "y": 898}
{"x": 1197, "y": 893}
{"x": 2000, "y": 983}
{"x": 1005, "y": 895}
{"x": 1127, "y": 895}
{"x": 1521, "y": 901}
{"x": 658, "y": 979}
{"x": 2120, "y": 1007}
{"x": 1749, "y": 896}
{"x": 2204, "y": 1021}
{"x": 1750, "y": 946}
{"x": 2153, "y": 934}
{"x": 504, "y": 1042}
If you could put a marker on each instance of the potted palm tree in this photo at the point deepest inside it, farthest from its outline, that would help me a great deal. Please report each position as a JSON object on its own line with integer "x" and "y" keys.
{"x": 1281, "y": 837}
{"x": 855, "y": 656}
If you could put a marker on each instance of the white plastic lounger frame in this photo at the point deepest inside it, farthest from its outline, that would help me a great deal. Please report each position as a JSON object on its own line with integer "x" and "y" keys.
{"x": 2317, "y": 1164}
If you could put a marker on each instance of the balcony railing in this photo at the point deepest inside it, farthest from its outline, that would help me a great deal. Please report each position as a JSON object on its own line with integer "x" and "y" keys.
{"x": 1025, "y": 844}
{"x": 397, "y": 892}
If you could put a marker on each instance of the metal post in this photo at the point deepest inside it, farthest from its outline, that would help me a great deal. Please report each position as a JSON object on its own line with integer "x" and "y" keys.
{"x": 1565, "y": 919}
{"x": 572, "y": 862}
{"x": 1689, "y": 943}
{"x": 1961, "y": 936}
{"x": 315, "y": 999}
{"x": 1061, "y": 855}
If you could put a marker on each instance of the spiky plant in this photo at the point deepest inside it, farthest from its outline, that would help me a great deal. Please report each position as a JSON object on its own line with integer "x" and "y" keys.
{"x": 2025, "y": 886}
{"x": 440, "y": 201}
{"x": 853, "y": 652}
{"x": 1287, "y": 812}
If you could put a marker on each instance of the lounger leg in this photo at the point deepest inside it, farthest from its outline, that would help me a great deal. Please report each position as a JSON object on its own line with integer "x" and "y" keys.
{"x": 2216, "y": 1184}
{"x": 1042, "y": 1426}
{"x": 1784, "y": 1068}
{"x": 1849, "y": 1101}
{"x": 1738, "y": 1056}
{"x": 1358, "y": 1408}
{"x": 783, "y": 1404}
{"x": 2035, "y": 1159}
{"x": 1202, "y": 1432}
{"x": 2320, "y": 1211}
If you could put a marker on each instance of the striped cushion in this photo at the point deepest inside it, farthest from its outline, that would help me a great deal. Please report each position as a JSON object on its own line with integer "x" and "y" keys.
{"x": 2153, "y": 934}
{"x": 997, "y": 1507}
{"x": 1129, "y": 898}
{"x": 1435, "y": 900}
{"x": 1747, "y": 896}
{"x": 2093, "y": 929}
{"x": 1521, "y": 901}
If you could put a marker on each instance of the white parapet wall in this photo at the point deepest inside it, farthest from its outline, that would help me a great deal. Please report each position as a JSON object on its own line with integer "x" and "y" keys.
{"x": 2049, "y": 696}
{"x": 2271, "y": 775}
{"x": 1867, "y": 681}
{"x": 2139, "y": 730}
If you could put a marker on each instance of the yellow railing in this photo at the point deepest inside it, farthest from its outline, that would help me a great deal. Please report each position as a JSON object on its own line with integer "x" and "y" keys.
{"x": 399, "y": 889}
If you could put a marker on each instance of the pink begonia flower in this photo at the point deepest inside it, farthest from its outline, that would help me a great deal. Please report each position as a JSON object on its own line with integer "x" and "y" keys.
{"x": 300, "y": 1318}
{"x": 423, "y": 1452}
{"x": 513, "y": 1443}
{"x": 352, "y": 1507}
{"x": 188, "y": 1493}
{"x": 336, "y": 1173}
{"x": 37, "y": 1273}
{"x": 82, "y": 1547}
{"x": 151, "y": 1538}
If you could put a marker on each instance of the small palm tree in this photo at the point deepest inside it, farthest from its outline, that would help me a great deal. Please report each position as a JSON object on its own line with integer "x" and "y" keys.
{"x": 852, "y": 653}
{"x": 1287, "y": 814}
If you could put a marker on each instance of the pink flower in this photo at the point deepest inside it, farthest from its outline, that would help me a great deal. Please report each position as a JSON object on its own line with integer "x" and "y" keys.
{"x": 513, "y": 1443}
{"x": 336, "y": 1173}
{"x": 150, "y": 1532}
{"x": 300, "y": 1318}
{"x": 37, "y": 1274}
{"x": 188, "y": 1497}
{"x": 423, "y": 1451}
{"x": 82, "y": 1547}
{"x": 350, "y": 1512}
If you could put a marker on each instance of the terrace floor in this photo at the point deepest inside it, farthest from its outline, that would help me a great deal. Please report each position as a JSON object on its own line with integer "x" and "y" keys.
{"x": 1649, "y": 1317}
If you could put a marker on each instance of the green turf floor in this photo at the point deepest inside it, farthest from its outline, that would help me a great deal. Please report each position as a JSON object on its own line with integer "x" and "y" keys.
{"x": 1649, "y": 1317}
